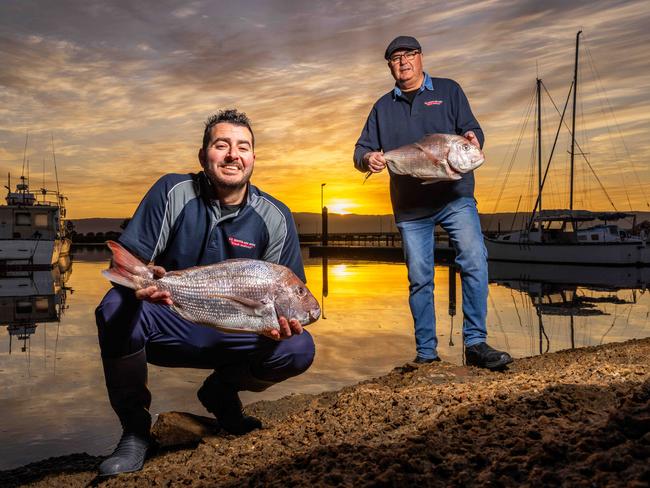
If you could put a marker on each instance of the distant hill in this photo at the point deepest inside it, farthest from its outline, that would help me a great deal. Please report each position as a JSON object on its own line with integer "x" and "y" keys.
{"x": 310, "y": 223}
{"x": 94, "y": 225}
{"x": 307, "y": 223}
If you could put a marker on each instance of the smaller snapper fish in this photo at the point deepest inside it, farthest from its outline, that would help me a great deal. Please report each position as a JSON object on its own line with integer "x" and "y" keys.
{"x": 434, "y": 158}
{"x": 237, "y": 295}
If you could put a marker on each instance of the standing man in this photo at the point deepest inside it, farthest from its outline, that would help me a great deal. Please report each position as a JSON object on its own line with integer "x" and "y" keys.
{"x": 416, "y": 106}
{"x": 188, "y": 220}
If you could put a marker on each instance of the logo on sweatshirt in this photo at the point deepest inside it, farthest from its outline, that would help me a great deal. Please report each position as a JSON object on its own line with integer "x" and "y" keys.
{"x": 239, "y": 243}
{"x": 433, "y": 102}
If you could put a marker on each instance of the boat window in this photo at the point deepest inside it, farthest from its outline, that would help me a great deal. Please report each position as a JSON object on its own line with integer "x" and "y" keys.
{"x": 594, "y": 237}
{"x": 506, "y": 238}
{"x": 40, "y": 220}
{"x": 42, "y": 304}
{"x": 23, "y": 218}
{"x": 23, "y": 306}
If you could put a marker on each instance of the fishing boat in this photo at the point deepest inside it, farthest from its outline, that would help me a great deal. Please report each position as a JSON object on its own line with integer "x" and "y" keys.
{"x": 33, "y": 229}
{"x": 568, "y": 235}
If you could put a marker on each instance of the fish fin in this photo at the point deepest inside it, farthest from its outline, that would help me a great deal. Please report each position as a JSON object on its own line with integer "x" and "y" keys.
{"x": 126, "y": 264}
{"x": 451, "y": 174}
{"x": 368, "y": 175}
{"x": 246, "y": 305}
{"x": 426, "y": 151}
{"x": 115, "y": 276}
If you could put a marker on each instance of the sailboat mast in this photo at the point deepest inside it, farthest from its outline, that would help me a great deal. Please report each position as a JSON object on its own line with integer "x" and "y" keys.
{"x": 573, "y": 117}
{"x": 539, "y": 141}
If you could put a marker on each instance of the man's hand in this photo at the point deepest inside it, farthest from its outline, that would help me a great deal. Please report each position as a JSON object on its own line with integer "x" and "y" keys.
{"x": 471, "y": 137}
{"x": 374, "y": 161}
{"x": 153, "y": 294}
{"x": 287, "y": 329}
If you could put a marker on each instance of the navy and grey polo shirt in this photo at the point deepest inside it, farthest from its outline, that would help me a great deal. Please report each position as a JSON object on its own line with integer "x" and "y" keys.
{"x": 440, "y": 106}
{"x": 178, "y": 225}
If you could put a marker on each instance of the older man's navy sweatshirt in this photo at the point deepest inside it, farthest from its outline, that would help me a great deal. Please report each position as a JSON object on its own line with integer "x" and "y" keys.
{"x": 440, "y": 106}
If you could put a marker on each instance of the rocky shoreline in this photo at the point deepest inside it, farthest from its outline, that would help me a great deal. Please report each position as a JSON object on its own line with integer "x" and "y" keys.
{"x": 571, "y": 418}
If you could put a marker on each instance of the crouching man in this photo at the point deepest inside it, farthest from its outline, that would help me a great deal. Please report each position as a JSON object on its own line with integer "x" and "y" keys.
{"x": 187, "y": 220}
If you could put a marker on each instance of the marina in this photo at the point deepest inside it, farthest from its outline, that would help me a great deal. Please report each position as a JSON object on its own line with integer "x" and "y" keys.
{"x": 365, "y": 331}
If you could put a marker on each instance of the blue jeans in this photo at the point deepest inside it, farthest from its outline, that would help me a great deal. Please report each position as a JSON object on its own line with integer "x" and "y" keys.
{"x": 460, "y": 219}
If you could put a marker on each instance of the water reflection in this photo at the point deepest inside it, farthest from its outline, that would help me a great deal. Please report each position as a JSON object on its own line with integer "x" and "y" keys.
{"x": 32, "y": 297}
{"x": 582, "y": 299}
{"x": 58, "y": 406}
{"x": 324, "y": 287}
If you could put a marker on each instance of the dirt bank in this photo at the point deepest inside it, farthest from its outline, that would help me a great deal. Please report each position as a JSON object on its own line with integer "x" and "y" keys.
{"x": 573, "y": 418}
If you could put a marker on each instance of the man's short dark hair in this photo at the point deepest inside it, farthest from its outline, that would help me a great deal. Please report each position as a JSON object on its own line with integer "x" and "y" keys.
{"x": 230, "y": 116}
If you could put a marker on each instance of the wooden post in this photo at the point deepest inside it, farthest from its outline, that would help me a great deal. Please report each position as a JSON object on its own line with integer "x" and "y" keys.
{"x": 324, "y": 235}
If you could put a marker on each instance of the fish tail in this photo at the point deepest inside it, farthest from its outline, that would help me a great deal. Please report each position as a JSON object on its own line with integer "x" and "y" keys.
{"x": 126, "y": 269}
{"x": 121, "y": 279}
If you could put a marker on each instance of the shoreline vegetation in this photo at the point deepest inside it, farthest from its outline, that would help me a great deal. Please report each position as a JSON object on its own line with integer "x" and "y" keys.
{"x": 572, "y": 418}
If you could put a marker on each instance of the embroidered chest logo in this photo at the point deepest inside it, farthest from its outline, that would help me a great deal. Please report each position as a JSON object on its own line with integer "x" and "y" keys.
{"x": 433, "y": 102}
{"x": 239, "y": 243}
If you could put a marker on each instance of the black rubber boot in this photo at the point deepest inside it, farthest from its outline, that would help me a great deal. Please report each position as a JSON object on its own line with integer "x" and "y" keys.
{"x": 126, "y": 382}
{"x": 221, "y": 398}
{"x": 128, "y": 456}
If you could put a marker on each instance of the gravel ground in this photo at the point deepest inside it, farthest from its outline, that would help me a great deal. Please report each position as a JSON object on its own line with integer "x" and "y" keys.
{"x": 572, "y": 418}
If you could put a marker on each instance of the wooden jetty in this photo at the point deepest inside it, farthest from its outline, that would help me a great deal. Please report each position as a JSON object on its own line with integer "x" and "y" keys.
{"x": 372, "y": 246}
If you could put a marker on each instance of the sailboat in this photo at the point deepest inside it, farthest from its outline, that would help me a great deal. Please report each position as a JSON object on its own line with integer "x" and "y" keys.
{"x": 33, "y": 229}
{"x": 568, "y": 236}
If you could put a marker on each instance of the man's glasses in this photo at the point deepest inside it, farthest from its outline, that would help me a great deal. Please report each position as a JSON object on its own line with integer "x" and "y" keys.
{"x": 409, "y": 56}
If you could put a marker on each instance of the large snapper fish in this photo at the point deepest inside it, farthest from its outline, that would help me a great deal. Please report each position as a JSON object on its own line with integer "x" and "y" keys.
{"x": 435, "y": 157}
{"x": 238, "y": 295}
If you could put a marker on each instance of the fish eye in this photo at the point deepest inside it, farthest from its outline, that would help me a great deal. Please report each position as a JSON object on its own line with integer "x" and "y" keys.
{"x": 465, "y": 147}
{"x": 301, "y": 291}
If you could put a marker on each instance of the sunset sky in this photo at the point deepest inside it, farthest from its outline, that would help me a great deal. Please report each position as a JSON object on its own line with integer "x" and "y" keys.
{"x": 124, "y": 87}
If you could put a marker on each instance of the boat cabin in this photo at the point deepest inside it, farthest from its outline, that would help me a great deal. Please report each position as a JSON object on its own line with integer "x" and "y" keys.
{"x": 39, "y": 222}
{"x": 563, "y": 227}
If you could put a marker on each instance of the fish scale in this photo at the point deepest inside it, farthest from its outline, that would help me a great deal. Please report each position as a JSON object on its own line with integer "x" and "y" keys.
{"x": 435, "y": 157}
{"x": 234, "y": 295}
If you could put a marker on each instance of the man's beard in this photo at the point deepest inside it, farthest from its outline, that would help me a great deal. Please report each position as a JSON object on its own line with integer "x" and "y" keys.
{"x": 229, "y": 185}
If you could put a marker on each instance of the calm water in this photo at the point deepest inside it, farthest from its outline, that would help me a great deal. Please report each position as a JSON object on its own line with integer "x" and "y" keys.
{"x": 52, "y": 395}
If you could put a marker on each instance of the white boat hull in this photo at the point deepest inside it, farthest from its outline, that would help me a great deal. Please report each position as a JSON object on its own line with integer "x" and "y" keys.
{"x": 29, "y": 252}
{"x": 606, "y": 253}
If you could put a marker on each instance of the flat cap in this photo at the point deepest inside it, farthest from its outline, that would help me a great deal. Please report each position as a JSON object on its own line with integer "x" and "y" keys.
{"x": 402, "y": 42}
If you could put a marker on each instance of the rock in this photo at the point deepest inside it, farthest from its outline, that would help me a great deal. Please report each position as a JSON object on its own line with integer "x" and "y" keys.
{"x": 181, "y": 429}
